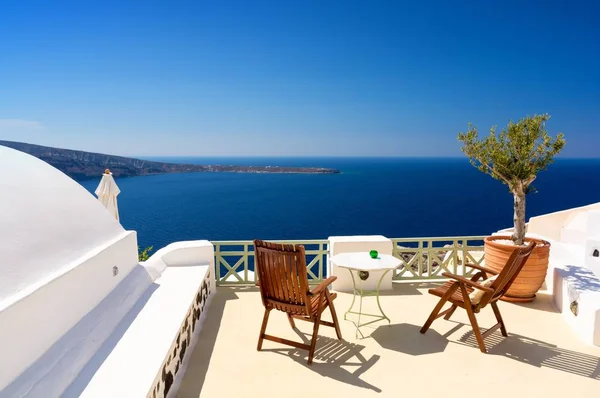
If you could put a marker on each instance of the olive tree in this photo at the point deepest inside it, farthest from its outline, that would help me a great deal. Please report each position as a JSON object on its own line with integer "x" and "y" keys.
{"x": 514, "y": 156}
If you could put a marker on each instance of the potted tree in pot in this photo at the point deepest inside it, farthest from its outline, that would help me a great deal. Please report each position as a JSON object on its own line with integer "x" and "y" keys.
{"x": 515, "y": 156}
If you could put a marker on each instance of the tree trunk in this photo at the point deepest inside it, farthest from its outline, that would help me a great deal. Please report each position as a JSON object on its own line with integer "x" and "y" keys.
{"x": 519, "y": 218}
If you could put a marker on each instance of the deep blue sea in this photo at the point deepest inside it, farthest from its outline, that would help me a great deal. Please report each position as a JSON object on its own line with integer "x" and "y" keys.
{"x": 395, "y": 197}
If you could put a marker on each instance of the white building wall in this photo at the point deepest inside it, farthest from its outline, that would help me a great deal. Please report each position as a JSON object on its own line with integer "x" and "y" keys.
{"x": 573, "y": 275}
{"x": 59, "y": 246}
{"x": 32, "y": 326}
{"x": 551, "y": 225}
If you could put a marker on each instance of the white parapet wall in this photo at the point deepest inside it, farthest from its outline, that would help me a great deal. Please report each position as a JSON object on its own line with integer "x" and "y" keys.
{"x": 573, "y": 276}
{"x": 69, "y": 350}
{"x": 577, "y": 297}
{"x": 551, "y": 225}
{"x": 135, "y": 343}
{"x": 351, "y": 244}
{"x": 592, "y": 242}
{"x": 45, "y": 328}
{"x": 147, "y": 354}
{"x": 592, "y": 254}
{"x": 181, "y": 254}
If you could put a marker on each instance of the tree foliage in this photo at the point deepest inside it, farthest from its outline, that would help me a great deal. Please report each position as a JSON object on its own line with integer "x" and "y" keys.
{"x": 144, "y": 255}
{"x": 515, "y": 155}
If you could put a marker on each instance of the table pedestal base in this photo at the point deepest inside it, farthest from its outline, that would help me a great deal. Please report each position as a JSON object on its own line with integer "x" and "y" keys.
{"x": 360, "y": 292}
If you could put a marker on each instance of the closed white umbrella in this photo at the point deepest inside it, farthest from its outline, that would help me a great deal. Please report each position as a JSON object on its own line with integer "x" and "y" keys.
{"x": 107, "y": 192}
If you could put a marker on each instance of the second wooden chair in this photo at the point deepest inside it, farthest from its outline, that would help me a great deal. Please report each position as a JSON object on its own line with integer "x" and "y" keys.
{"x": 458, "y": 293}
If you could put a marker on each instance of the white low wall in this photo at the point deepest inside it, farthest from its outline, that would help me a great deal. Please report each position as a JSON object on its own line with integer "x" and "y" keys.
{"x": 592, "y": 242}
{"x": 578, "y": 286}
{"x": 551, "y": 225}
{"x": 33, "y": 328}
{"x": 573, "y": 271}
{"x": 351, "y": 244}
{"x": 157, "y": 340}
{"x": 77, "y": 355}
{"x": 592, "y": 261}
{"x": 180, "y": 254}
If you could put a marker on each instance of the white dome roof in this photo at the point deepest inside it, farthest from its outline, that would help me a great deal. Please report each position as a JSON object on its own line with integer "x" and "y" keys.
{"x": 47, "y": 222}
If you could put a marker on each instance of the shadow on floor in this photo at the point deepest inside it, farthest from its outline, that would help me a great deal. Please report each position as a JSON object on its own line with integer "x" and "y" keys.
{"x": 542, "y": 302}
{"x": 406, "y": 338}
{"x": 538, "y": 353}
{"x": 404, "y": 289}
{"x": 195, "y": 374}
{"x": 331, "y": 358}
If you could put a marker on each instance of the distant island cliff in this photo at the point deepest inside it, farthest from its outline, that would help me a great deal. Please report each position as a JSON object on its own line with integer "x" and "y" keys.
{"x": 81, "y": 165}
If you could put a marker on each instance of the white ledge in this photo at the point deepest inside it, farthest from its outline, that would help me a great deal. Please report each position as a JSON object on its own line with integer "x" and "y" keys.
{"x": 129, "y": 362}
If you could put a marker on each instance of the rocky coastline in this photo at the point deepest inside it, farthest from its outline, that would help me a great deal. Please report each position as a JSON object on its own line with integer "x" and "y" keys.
{"x": 81, "y": 165}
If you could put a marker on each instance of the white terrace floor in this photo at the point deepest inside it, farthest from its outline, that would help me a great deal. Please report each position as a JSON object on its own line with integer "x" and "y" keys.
{"x": 541, "y": 357}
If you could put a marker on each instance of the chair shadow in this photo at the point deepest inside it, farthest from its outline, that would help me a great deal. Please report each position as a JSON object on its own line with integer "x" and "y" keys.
{"x": 403, "y": 289}
{"x": 331, "y": 356}
{"x": 538, "y": 353}
{"x": 406, "y": 338}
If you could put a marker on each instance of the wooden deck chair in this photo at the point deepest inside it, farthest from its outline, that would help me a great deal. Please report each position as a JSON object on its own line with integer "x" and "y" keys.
{"x": 460, "y": 292}
{"x": 283, "y": 282}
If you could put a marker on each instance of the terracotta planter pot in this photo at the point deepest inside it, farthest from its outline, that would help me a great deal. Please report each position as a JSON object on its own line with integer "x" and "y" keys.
{"x": 531, "y": 277}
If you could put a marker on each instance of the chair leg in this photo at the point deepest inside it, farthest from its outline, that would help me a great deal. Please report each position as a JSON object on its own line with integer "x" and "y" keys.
{"x": 433, "y": 315}
{"x": 473, "y": 320}
{"x": 452, "y": 309}
{"x": 499, "y": 319}
{"x": 313, "y": 342}
{"x": 438, "y": 308}
{"x": 336, "y": 323}
{"x": 291, "y": 320}
{"x": 263, "y": 329}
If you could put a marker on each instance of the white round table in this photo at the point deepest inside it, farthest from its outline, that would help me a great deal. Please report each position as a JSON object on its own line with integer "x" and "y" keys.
{"x": 362, "y": 264}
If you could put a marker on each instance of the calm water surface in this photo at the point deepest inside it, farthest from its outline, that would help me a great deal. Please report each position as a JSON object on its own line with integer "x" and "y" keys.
{"x": 392, "y": 197}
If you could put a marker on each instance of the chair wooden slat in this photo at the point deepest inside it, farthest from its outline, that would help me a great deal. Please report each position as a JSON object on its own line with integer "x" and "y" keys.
{"x": 283, "y": 283}
{"x": 295, "y": 286}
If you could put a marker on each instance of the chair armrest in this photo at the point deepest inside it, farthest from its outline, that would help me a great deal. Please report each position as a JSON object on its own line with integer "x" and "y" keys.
{"x": 322, "y": 286}
{"x": 480, "y": 268}
{"x": 468, "y": 282}
{"x": 480, "y": 274}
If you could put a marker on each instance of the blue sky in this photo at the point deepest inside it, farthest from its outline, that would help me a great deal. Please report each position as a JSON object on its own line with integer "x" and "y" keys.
{"x": 311, "y": 78}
